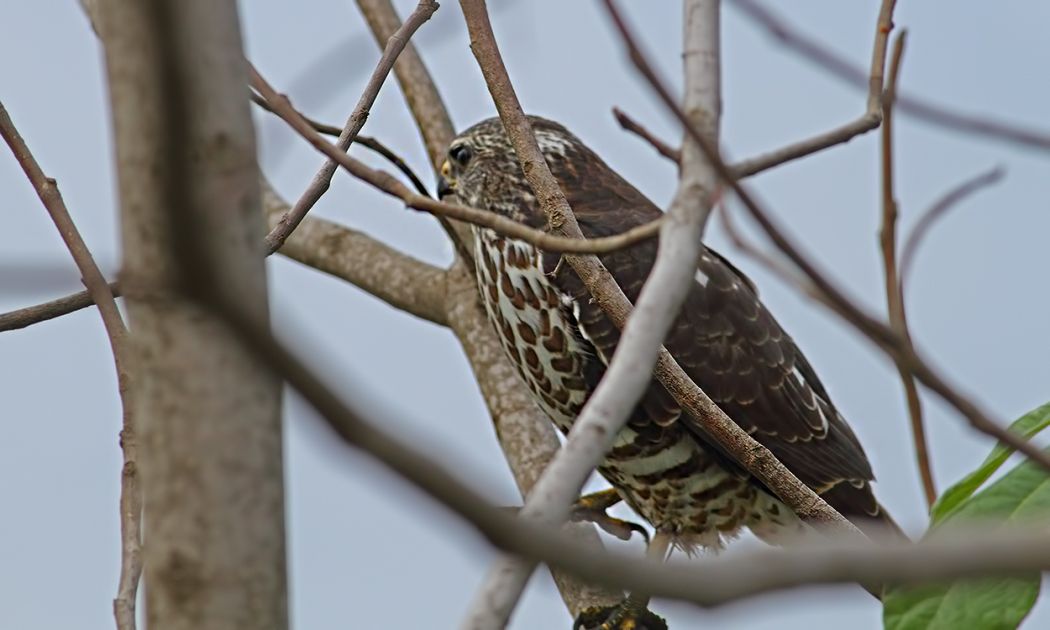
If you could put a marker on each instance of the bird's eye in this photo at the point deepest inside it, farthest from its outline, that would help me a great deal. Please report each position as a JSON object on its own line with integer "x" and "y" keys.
{"x": 461, "y": 154}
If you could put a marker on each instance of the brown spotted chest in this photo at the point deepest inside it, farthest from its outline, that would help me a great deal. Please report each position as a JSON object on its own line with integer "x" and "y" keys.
{"x": 667, "y": 478}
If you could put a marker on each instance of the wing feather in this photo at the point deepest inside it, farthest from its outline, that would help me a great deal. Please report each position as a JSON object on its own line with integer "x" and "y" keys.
{"x": 726, "y": 341}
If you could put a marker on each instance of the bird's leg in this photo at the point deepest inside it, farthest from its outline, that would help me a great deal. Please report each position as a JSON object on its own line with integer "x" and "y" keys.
{"x": 592, "y": 508}
{"x": 633, "y": 612}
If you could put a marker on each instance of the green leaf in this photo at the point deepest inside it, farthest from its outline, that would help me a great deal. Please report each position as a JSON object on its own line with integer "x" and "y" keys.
{"x": 1023, "y": 494}
{"x": 1026, "y": 426}
{"x": 991, "y": 604}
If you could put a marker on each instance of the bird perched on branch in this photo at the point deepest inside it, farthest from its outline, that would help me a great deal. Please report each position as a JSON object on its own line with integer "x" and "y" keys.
{"x": 685, "y": 486}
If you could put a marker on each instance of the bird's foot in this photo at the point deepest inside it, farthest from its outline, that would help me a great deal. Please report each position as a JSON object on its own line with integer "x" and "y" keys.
{"x": 627, "y": 615}
{"x": 592, "y": 508}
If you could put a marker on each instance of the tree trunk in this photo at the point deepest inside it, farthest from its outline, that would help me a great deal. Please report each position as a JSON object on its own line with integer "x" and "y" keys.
{"x": 209, "y": 416}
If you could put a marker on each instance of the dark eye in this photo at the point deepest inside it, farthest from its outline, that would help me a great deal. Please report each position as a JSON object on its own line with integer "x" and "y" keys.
{"x": 461, "y": 154}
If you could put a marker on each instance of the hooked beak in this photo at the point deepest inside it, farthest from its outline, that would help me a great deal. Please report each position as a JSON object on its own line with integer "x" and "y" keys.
{"x": 444, "y": 187}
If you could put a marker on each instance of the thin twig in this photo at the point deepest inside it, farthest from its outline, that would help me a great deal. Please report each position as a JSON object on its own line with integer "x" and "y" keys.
{"x": 932, "y": 113}
{"x": 421, "y": 95}
{"x": 23, "y": 317}
{"x": 870, "y": 119}
{"x": 894, "y": 294}
{"x": 407, "y": 284}
{"x": 774, "y": 266}
{"x": 424, "y": 102}
{"x": 884, "y": 336}
{"x": 100, "y": 293}
{"x": 938, "y": 210}
{"x": 319, "y": 127}
{"x": 840, "y": 135}
{"x": 323, "y": 179}
{"x": 390, "y": 185}
{"x": 365, "y": 141}
{"x": 753, "y": 166}
{"x": 629, "y": 124}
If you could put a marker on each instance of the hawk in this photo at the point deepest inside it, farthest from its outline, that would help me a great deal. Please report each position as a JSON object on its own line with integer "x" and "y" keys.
{"x": 662, "y": 465}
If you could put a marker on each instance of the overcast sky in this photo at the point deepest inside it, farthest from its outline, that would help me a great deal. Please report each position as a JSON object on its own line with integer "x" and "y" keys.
{"x": 365, "y": 550}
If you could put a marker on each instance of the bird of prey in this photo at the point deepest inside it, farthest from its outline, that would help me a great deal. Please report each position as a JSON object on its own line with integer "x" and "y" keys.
{"x": 662, "y": 464}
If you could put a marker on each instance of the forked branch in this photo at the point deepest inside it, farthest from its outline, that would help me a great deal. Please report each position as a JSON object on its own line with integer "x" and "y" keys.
{"x": 99, "y": 292}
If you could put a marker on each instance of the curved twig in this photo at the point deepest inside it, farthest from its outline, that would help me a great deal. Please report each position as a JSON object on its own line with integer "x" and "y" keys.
{"x": 365, "y": 141}
{"x": 323, "y": 179}
{"x": 938, "y": 210}
{"x": 390, "y": 185}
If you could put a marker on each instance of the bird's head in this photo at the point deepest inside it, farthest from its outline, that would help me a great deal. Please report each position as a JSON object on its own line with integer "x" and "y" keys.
{"x": 482, "y": 169}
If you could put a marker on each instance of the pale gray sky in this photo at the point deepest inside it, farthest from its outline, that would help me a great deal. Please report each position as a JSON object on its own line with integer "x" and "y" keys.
{"x": 365, "y": 550}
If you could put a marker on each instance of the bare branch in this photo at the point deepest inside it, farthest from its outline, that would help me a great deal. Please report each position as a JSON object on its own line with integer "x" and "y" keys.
{"x": 867, "y": 121}
{"x": 323, "y": 179}
{"x": 887, "y": 339}
{"x": 388, "y": 184}
{"x": 209, "y": 414}
{"x": 894, "y": 294}
{"x": 415, "y": 81}
{"x": 23, "y": 317}
{"x": 953, "y": 197}
{"x": 365, "y": 141}
{"x": 99, "y": 292}
{"x": 932, "y": 113}
{"x": 839, "y": 135}
{"x": 425, "y": 104}
{"x": 399, "y": 280}
{"x": 629, "y": 124}
{"x": 372, "y": 266}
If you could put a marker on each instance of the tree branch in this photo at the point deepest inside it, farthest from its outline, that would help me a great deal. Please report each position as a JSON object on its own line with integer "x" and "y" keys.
{"x": 894, "y": 294}
{"x": 415, "y": 81}
{"x": 630, "y": 371}
{"x": 932, "y": 113}
{"x": 365, "y": 141}
{"x": 209, "y": 415}
{"x": 629, "y": 124}
{"x": 23, "y": 317}
{"x": 323, "y": 179}
{"x": 399, "y": 280}
{"x": 99, "y": 292}
{"x": 410, "y": 285}
{"x": 938, "y": 210}
{"x": 388, "y": 184}
{"x": 867, "y": 121}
